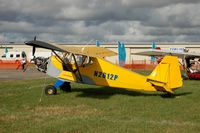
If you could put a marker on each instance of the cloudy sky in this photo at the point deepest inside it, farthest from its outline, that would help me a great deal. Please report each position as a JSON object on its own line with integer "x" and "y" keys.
{"x": 104, "y": 20}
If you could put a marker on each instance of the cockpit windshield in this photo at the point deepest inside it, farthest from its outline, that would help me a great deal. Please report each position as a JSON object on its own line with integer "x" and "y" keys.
{"x": 81, "y": 60}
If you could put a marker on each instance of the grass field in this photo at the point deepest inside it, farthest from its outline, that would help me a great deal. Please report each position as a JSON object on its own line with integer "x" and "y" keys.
{"x": 24, "y": 108}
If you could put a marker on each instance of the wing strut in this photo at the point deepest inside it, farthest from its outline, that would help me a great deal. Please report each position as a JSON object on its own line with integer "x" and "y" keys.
{"x": 77, "y": 68}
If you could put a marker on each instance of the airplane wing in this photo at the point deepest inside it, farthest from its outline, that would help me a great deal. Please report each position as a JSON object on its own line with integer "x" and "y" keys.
{"x": 91, "y": 51}
{"x": 154, "y": 52}
{"x": 40, "y": 44}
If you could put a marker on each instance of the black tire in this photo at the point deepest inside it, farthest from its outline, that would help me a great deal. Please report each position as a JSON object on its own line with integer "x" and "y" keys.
{"x": 66, "y": 87}
{"x": 168, "y": 95}
{"x": 50, "y": 90}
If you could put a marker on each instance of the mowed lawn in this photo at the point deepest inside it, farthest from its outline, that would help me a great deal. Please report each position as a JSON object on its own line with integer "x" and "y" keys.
{"x": 25, "y": 108}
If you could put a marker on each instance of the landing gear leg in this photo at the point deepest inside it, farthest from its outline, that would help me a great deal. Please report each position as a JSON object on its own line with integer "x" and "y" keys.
{"x": 52, "y": 89}
{"x": 66, "y": 87}
{"x": 168, "y": 95}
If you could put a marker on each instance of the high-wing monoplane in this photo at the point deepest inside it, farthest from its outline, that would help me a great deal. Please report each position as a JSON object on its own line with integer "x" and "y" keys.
{"x": 88, "y": 65}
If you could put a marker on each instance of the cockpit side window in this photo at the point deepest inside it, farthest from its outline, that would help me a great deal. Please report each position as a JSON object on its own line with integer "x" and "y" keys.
{"x": 81, "y": 60}
{"x": 87, "y": 60}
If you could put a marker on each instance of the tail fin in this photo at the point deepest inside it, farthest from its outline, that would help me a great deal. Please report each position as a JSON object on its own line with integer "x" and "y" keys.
{"x": 167, "y": 74}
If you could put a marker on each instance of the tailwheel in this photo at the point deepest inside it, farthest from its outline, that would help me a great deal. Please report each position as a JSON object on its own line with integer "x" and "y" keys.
{"x": 66, "y": 87}
{"x": 50, "y": 90}
{"x": 168, "y": 95}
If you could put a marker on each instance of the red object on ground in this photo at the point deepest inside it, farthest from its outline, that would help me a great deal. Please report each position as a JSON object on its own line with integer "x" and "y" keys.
{"x": 140, "y": 66}
{"x": 158, "y": 48}
{"x": 13, "y": 64}
{"x": 10, "y": 64}
{"x": 194, "y": 75}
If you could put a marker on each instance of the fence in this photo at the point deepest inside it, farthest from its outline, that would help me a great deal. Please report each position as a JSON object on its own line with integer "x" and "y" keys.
{"x": 136, "y": 64}
{"x": 141, "y": 64}
{"x": 11, "y": 64}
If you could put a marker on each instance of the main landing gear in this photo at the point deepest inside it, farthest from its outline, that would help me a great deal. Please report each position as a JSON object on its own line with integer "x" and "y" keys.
{"x": 63, "y": 85}
{"x": 50, "y": 90}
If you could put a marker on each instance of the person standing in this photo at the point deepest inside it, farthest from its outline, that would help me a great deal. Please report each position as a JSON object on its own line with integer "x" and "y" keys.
{"x": 24, "y": 60}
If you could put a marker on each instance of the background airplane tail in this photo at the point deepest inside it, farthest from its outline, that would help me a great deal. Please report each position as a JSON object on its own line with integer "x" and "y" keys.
{"x": 121, "y": 53}
{"x": 166, "y": 76}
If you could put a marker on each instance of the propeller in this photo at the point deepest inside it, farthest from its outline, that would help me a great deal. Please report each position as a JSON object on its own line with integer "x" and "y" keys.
{"x": 33, "y": 55}
{"x": 40, "y": 62}
{"x": 33, "y": 50}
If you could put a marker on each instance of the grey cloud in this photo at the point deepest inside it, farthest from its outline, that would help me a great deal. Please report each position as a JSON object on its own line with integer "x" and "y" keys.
{"x": 180, "y": 15}
{"x": 83, "y": 20}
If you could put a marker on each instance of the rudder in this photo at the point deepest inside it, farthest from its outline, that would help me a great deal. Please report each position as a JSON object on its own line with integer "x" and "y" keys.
{"x": 167, "y": 74}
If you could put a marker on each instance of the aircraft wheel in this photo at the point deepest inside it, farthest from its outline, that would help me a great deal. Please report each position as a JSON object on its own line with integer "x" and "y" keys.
{"x": 168, "y": 95}
{"x": 50, "y": 90}
{"x": 66, "y": 87}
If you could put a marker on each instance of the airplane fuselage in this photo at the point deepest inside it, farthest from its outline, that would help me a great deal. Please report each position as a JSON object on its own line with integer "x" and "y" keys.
{"x": 102, "y": 73}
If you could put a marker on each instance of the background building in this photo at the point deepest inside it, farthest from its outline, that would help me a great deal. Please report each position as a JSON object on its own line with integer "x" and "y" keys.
{"x": 131, "y": 48}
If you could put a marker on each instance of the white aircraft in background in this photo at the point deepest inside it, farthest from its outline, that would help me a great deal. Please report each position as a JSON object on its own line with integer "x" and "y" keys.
{"x": 190, "y": 60}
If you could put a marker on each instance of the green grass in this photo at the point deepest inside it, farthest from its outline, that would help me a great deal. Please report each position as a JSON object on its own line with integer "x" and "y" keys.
{"x": 97, "y": 109}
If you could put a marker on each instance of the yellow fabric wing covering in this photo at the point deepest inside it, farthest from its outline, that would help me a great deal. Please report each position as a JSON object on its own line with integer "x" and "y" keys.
{"x": 89, "y": 51}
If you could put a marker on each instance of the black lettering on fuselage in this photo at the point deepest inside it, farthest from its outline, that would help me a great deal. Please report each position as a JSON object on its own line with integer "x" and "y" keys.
{"x": 99, "y": 75}
{"x": 108, "y": 76}
{"x": 105, "y": 75}
{"x": 115, "y": 77}
{"x": 111, "y": 76}
{"x": 95, "y": 73}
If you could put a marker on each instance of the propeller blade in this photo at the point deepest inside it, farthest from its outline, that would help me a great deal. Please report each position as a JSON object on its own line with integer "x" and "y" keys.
{"x": 33, "y": 52}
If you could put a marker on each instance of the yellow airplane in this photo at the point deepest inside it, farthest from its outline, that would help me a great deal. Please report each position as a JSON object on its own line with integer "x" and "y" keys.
{"x": 87, "y": 65}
